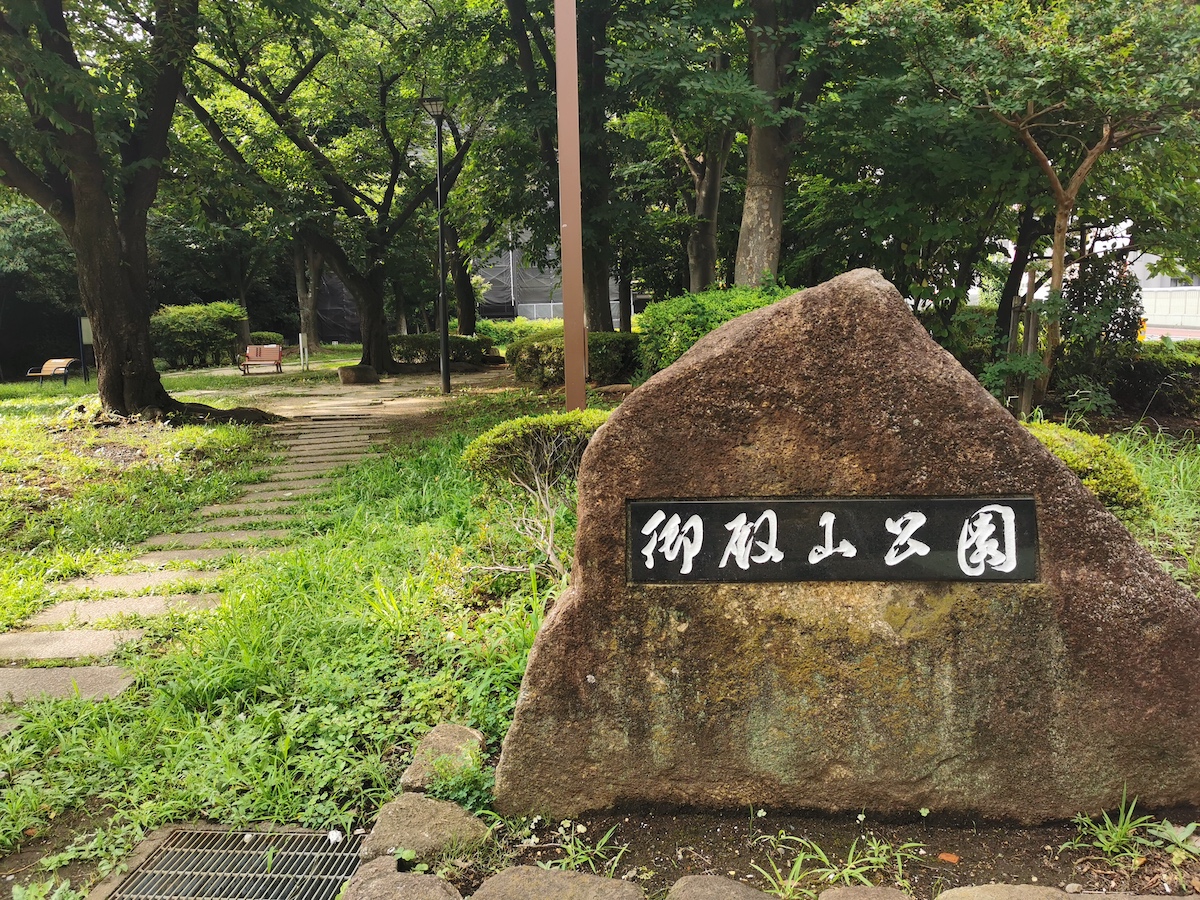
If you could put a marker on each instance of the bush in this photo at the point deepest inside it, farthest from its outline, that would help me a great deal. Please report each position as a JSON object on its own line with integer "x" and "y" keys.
{"x": 427, "y": 348}
{"x": 1101, "y": 468}
{"x": 612, "y": 357}
{"x": 971, "y": 335}
{"x": 671, "y": 327}
{"x": 533, "y": 451}
{"x": 266, "y": 337}
{"x": 197, "y": 334}
{"x": 503, "y": 332}
{"x": 1160, "y": 379}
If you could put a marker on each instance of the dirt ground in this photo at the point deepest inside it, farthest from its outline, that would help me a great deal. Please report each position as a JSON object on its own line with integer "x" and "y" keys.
{"x": 665, "y": 846}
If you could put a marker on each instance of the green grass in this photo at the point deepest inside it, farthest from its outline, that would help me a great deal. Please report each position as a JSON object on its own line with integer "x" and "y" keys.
{"x": 74, "y": 498}
{"x": 405, "y": 601}
{"x": 402, "y": 605}
{"x": 1170, "y": 468}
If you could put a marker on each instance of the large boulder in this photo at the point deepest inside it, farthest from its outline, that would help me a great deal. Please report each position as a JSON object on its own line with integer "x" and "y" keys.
{"x": 1027, "y": 700}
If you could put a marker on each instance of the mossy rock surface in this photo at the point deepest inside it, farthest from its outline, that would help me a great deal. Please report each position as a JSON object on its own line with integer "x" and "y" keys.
{"x": 1025, "y": 700}
{"x": 1101, "y": 468}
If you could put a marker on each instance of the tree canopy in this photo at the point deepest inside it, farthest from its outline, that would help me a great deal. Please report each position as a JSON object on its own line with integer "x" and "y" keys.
{"x": 933, "y": 140}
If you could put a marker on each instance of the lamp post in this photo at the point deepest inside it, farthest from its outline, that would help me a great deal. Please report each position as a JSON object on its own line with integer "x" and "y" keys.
{"x": 436, "y": 107}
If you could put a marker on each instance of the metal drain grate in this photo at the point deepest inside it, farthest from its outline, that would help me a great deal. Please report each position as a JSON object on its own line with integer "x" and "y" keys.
{"x": 217, "y": 865}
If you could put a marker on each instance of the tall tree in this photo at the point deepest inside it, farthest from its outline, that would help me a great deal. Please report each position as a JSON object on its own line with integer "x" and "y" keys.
{"x": 86, "y": 102}
{"x": 273, "y": 98}
{"x": 684, "y": 66}
{"x": 785, "y": 64}
{"x": 1072, "y": 81}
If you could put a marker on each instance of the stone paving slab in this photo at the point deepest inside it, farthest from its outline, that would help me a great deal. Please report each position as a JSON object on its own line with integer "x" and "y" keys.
{"x": 86, "y": 611}
{"x": 328, "y": 442}
{"x": 192, "y": 554}
{"x": 315, "y": 434}
{"x": 309, "y": 485}
{"x": 135, "y": 582}
{"x": 313, "y": 468}
{"x": 90, "y": 682}
{"x": 63, "y": 644}
{"x": 320, "y": 453}
{"x": 273, "y": 493}
{"x": 294, "y": 477}
{"x": 207, "y": 538}
{"x": 248, "y": 509}
{"x": 246, "y": 521}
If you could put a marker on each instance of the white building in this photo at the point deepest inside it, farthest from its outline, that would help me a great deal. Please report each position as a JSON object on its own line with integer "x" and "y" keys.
{"x": 1172, "y": 305}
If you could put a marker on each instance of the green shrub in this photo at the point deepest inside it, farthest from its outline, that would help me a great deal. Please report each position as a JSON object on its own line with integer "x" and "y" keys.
{"x": 503, "y": 332}
{"x": 1101, "y": 468}
{"x": 427, "y": 348}
{"x": 533, "y": 451}
{"x": 267, "y": 337}
{"x": 612, "y": 357}
{"x": 670, "y": 327}
{"x": 197, "y": 334}
{"x": 466, "y": 782}
{"x": 1159, "y": 379}
{"x": 972, "y": 331}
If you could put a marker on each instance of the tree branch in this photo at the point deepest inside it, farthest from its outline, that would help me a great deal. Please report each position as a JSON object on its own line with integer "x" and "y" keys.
{"x": 15, "y": 174}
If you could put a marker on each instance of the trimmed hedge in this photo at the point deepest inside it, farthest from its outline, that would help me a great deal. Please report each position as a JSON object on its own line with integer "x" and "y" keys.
{"x": 197, "y": 334}
{"x": 612, "y": 357}
{"x": 267, "y": 337}
{"x": 533, "y": 450}
{"x": 1160, "y": 379}
{"x": 670, "y": 327}
{"x": 427, "y": 348}
{"x": 503, "y": 332}
{"x": 1103, "y": 470}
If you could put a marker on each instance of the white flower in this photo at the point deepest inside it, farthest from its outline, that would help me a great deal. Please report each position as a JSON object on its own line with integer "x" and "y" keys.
{"x": 761, "y": 813}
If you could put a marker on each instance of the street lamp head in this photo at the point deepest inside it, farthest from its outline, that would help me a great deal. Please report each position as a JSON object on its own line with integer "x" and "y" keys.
{"x": 435, "y": 106}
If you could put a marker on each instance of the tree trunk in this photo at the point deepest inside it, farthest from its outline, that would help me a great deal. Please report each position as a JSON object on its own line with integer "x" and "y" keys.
{"x": 126, "y": 378}
{"x": 707, "y": 176}
{"x": 460, "y": 276}
{"x": 595, "y": 162}
{"x": 1027, "y": 233}
{"x": 773, "y": 58}
{"x": 376, "y": 350}
{"x": 307, "y": 266}
{"x": 1058, "y": 268}
{"x": 625, "y": 294}
{"x": 768, "y": 160}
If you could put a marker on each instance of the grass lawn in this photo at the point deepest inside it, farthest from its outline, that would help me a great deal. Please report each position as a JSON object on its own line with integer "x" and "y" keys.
{"x": 407, "y": 599}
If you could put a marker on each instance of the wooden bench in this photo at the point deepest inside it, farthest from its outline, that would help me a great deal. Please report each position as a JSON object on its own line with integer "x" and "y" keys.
{"x": 52, "y": 368}
{"x": 262, "y": 355}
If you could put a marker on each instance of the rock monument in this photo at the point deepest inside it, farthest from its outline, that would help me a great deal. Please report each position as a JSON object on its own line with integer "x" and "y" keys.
{"x": 819, "y": 567}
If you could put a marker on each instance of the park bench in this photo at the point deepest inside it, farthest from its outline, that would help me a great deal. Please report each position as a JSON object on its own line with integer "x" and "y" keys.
{"x": 262, "y": 355}
{"x": 52, "y": 368}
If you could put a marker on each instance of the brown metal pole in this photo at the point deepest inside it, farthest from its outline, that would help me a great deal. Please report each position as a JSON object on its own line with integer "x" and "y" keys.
{"x": 570, "y": 203}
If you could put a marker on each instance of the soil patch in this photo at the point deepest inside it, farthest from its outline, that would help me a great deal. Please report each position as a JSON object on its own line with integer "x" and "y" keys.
{"x": 22, "y": 867}
{"x": 664, "y": 846}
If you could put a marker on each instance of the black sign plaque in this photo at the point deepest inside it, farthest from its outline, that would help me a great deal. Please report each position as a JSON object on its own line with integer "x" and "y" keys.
{"x": 878, "y": 539}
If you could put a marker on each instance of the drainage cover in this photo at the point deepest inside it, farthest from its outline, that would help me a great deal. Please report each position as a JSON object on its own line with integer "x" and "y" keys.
{"x": 218, "y": 865}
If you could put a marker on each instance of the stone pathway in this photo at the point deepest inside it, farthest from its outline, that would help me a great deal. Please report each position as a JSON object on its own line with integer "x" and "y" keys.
{"x": 69, "y": 640}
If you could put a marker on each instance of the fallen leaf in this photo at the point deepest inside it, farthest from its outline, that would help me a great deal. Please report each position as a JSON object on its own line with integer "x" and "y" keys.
{"x": 29, "y": 832}
{"x": 1196, "y": 885}
{"x": 949, "y": 857}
